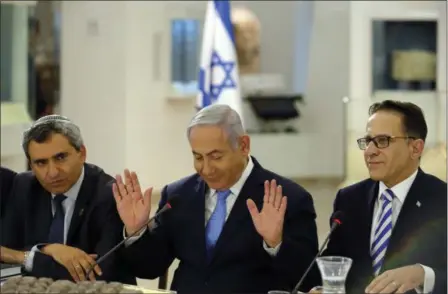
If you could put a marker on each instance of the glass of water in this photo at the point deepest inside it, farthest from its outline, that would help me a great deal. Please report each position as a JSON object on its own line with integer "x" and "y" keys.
{"x": 334, "y": 270}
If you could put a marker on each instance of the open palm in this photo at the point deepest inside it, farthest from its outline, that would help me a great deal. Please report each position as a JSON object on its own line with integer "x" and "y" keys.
{"x": 269, "y": 221}
{"x": 133, "y": 206}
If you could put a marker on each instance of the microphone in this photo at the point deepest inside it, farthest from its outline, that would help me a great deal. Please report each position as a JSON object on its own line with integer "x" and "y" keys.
{"x": 336, "y": 221}
{"x": 165, "y": 208}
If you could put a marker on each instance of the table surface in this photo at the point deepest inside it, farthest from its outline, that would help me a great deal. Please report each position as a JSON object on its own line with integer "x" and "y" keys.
{"x": 9, "y": 270}
{"x": 148, "y": 291}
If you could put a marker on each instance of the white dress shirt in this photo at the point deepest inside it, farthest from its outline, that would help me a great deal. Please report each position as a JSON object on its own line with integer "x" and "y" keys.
{"x": 68, "y": 205}
{"x": 400, "y": 191}
{"x": 211, "y": 201}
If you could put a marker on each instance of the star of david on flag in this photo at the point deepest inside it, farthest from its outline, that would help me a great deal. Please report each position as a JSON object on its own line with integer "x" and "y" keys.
{"x": 218, "y": 73}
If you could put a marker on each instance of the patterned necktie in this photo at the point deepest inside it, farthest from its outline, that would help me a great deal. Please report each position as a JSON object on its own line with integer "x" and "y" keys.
{"x": 216, "y": 221}
{"x": 383, "y": 231}
{"x": 56, "y": 234}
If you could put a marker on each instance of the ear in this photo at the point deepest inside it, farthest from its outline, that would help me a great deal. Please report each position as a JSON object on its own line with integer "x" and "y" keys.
{"x": 83, "y": 152}
{"x": 417, "y": 146}
{"x": 245, "y": 144}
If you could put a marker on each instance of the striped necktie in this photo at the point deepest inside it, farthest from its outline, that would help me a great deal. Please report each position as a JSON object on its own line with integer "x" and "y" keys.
{"x": 383, "y": 231}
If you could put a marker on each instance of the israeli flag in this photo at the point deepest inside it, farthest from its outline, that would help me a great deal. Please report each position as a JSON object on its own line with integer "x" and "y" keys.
{"x": 218, "y": 74}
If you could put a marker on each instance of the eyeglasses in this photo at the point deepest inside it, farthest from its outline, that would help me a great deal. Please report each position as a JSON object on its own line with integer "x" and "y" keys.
{"x": 380, "y": 142}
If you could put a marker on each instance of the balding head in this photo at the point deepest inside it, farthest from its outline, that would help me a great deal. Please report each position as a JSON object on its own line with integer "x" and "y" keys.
{"x": 219, "y": 145}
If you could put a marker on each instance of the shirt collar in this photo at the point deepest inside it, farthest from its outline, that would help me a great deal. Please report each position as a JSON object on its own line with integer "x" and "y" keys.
{"x": 73, "y": 192}
{"x": 238, "y": 186}
{"x": 401, "y": 189}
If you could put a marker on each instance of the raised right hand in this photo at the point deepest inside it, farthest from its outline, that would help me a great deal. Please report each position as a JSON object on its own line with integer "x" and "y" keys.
{"x": 76, "y": 261}
{"x": 134, "y": 207}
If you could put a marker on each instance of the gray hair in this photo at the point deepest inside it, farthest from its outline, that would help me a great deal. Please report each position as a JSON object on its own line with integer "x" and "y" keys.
{"x": 45, "y": 126}
{"x": 220, "y": 115}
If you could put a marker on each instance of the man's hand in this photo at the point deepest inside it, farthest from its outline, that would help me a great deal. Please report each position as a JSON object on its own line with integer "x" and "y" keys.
{"x": 76, "y": 261}
{"x": 11, "y": 255}
{"x": 269, "y": 222}
{"x": 398, "y": 280}
{"x": 317, "y": 290}
{"x": 133, "y": 206}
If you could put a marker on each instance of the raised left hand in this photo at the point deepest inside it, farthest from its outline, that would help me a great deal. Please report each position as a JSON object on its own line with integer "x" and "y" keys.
{"x": 269, "y": 221}
{"x": 398, "y": 280}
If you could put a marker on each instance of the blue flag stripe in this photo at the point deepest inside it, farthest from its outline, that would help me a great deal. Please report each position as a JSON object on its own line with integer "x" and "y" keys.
{"x": 218, "y": 73}
{"x": 205, "y": 92}
{"x": 223, "y": 10}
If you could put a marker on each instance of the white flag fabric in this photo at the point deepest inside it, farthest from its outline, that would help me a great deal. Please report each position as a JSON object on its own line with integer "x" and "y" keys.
{"x": 218, "y": 74}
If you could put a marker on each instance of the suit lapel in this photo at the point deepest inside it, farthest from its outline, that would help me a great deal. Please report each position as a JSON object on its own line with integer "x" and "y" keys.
{"x": 197, "y": 210}
{"x": 254, "y": 189}
{"x": 372, "y": 197}
{"x": 371, "y": 200}
{"x": 85, "y": 195}
{"x": 40, "y": 208}
{"x": 407, "y": 216}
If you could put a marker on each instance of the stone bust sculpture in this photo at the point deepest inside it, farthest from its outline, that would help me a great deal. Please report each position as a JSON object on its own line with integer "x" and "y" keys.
{"x": 247, "y": 38}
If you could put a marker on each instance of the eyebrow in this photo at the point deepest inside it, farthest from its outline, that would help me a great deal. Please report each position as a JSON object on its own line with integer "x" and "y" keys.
{"x": 209, "y": 153}
{"x": 378, "y": 135}
{"x": 53, "y": 156}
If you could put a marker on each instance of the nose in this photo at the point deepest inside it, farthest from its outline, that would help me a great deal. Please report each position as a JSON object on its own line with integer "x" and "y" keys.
{"x": 52, "y": 171}
{"x": 206, "y": 168}
{"x": 371, "y": 149}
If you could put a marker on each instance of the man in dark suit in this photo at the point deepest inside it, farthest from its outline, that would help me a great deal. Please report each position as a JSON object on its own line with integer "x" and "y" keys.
{"x": 64, "y": 214}
{"x": 6, "y": 180}
{"x": 395, "y": 226}
{"x": 228, "y": 237}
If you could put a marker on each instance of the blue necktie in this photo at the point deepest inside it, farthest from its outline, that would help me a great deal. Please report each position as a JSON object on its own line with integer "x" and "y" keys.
{"x": 56, "y": 234}
{"x": 216, "y": 221}
{"x": 383, "y": 231}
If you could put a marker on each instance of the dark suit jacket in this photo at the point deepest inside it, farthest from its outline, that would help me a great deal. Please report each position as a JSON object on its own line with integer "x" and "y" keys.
{"x": 239, "y": 263}
{"x": 419, "y": 235}
{"x": 6, "y": 180}
{"x": 95, "y": 225}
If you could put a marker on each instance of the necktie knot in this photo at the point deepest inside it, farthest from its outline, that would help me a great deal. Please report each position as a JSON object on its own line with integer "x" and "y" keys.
{"x": 387, "y": 195}
{"x": 59, "y": 198}
{"x": 222, "y": 195}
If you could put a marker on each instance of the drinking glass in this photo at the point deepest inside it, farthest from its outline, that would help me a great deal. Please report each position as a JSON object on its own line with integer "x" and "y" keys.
{"x": 334, "y": 270}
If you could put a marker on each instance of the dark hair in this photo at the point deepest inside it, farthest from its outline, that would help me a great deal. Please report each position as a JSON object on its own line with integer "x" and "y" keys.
{"x": 44, "y": 127}
{"x": 413, "y": 119}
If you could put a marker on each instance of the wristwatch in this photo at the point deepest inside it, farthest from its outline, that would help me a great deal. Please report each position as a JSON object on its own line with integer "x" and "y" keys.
{"x": 25, "y": 258}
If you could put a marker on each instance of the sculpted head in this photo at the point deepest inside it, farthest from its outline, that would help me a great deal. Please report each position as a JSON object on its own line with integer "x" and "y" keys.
{"x": 247, "y": 38}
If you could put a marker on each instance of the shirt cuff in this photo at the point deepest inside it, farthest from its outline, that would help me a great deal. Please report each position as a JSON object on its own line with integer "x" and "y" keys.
{"x": 133, "y": 239}
{"x": 30, "y": 259}
{"x": 429, "y": 281}
{"x": 271, "y": 251}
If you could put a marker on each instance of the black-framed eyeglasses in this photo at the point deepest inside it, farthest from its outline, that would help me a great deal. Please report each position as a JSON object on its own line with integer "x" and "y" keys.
{"x": 380, "y": 142}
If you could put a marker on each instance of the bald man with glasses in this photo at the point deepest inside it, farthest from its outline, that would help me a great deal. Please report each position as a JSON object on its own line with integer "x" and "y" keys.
{"x": 395, "y": 227}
